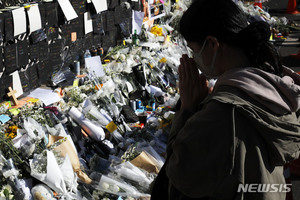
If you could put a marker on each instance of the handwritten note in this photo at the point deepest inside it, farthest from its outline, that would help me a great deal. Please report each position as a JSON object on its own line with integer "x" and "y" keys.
{"x": 100, "y": 5}
{"x": 67, "y": 9}
{"x": 47, "y": 96}
{"x": 19, "y": 21}
{"x": 88, "y": 23}
{"x": 17, "y": 85}
{"x": 94, "y": 65}
{"x": 34, "y": 17}
{"x": 137, "y": 21}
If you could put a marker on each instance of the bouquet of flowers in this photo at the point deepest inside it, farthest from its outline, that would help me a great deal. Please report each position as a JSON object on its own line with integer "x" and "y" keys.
{"x": 54, "y": 171}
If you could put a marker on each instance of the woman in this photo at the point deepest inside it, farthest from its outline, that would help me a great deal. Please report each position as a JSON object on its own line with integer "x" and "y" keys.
{"x": 233, "y": 143}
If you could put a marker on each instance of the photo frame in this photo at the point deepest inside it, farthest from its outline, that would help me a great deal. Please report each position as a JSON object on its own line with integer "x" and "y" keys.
{"x": 155, "y": 9}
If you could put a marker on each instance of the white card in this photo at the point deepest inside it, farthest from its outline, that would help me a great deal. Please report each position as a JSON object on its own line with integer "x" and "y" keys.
{"x": 137, "y": 21}
{"x": 94, "y": 65}
{"x": 17, "y": 85}
{"x": 100, "y": 5}
{"x": 19, "y": 20}
{"x": 34, "y": 17}
{"x": 67, "y": 9}
{"x": 47, "y": 96}
{"x": 88, "y": 23}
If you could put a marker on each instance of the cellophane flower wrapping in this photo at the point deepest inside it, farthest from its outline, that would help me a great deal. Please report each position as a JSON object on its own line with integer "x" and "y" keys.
{"x": 45, "y": 168}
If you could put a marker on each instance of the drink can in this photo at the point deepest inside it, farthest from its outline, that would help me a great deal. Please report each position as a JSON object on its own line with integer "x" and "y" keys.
{"x": 133, "y": 104}
{"x": 153, "y": 106}
{"x": 77, "y": 67}
{"x": 138, "y": 104}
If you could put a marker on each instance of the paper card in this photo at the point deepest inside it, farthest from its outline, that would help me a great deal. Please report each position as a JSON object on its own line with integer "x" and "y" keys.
{"x": 34, "y": 18}
{"x": 66, "y": 33}
{"x": 10, "y": 58}
{"x": 113, "y": 4}
{"x": 98, "y": 25}
{"x": 42, "y": 10}
{"x": 100, "y": 5}
{"x": 94, "y": 65}
{"x": 51, "y": 14}
{"x": 47, "y": 96}
{"x": 14, "y": 111}
{"x": 78, "y": 26}
{"x": 110, "y": 21}
{"x": 155, "y": 9}
{"x": 19, "y": 21}
{"x": 17, "y": 85}
{"x": 1, "y": 60}
{"x": 104, "y": 19}
{"x": 88, "y": 23}
{"x": 43, "y": 50}
{"x": 118, "y": 15}
{"x": 55, "y": 50}
{"x": 73, "y": 36}
{"x": 79, "y": 6}
{"x": 32, "y": 100}
{"x": 1, "y": 27}
{"x": 76, "y": 83}
{"x": 67, "y": 9}
{"x": 43, "y": 72}
{"x": 137, "y": 21}
{"x": 22, "y": 50}
{"x": 4, "y": 119}
{"x": 34, "y": 51}
{"x": 8, "y": 24}
{"x": 33, "y": 76}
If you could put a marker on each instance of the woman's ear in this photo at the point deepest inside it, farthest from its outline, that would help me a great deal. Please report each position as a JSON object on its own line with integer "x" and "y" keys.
{"x": 213, "y": 41}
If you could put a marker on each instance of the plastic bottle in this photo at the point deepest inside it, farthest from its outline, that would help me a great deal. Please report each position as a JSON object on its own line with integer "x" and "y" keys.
{"x": 87, "y": 54}
{"x": 151, "y": 102}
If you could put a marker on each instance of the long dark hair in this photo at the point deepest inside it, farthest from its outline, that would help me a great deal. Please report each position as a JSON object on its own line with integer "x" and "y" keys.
{"x": 224, "y": 20}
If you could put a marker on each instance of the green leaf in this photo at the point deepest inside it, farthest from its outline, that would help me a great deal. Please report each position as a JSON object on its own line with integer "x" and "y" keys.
{"x": 6, "y": 193}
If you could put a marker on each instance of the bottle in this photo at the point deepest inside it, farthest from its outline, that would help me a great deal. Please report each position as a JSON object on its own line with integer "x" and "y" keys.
{"x": 151, "y": 102}
{"x": 94, "y": 51}
{"x": 87, "y": 54}
{"x": 100, "y": 51}
{"x": 135, "y": 38}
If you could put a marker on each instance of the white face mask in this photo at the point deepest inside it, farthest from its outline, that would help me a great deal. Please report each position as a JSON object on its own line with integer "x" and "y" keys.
{"x": 208, "y": 71}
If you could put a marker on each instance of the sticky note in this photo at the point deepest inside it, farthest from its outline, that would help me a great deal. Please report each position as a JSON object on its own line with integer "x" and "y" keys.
{"x": 4, "y": 119}
{"x": 75, "y": 83}
{"x": 33, "y": 100}
{"x": 111, "y": 127}
{"x": 14, "y": 111}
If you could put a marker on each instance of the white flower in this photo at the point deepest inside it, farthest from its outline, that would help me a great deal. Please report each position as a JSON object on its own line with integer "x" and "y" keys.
{"x": 105, "y": 186}
{"x": 122, "y": 58}
{"x": 114, "y": 188}
{"x": 83, "y": 96}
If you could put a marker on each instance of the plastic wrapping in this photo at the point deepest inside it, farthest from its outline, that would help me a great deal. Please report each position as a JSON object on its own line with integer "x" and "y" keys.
{"x": 94, "y": 131}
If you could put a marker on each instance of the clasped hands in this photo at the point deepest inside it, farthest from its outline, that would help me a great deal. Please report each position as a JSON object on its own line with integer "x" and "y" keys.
{"x": 193, "y": 86}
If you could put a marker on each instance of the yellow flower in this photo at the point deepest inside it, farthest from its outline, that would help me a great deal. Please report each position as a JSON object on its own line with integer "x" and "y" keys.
{"x": 157, "y": 31}
{"x": 13, "y": 128}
